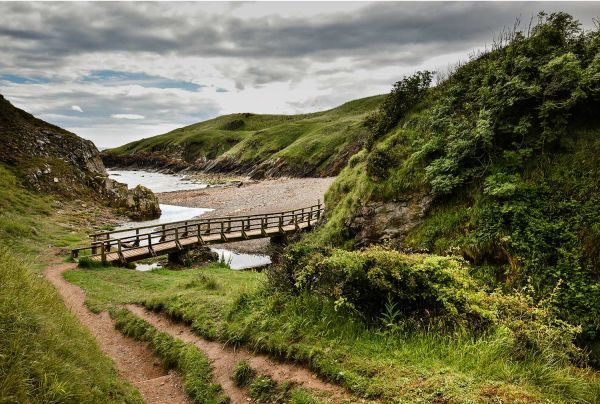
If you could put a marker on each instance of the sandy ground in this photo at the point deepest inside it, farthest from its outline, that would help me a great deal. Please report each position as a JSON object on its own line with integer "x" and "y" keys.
{"x": 253, "y": 197}
{"x": 132, "y": 359}
{"x": 267, "y": 196}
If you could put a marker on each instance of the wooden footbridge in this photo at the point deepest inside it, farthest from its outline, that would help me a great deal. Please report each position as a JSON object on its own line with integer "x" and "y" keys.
{"x": 134, "y": 244}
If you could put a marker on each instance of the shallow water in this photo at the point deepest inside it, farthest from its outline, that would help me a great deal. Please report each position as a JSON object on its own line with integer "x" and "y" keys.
{"x": 170, "y": 213}
{"x": 157, "y": 182}
{"x": 148, "y": 267}
{"x": 242, "y": 261}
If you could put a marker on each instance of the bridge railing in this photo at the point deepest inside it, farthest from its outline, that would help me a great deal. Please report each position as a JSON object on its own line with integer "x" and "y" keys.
{"x": 155, "y": 235}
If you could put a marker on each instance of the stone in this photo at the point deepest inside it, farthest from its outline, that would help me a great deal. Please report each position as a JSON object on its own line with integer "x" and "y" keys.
{"x": 380, "y": 221}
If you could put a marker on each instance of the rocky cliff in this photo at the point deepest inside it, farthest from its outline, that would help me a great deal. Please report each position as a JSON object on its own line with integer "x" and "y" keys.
{"x": 50, "y": 159}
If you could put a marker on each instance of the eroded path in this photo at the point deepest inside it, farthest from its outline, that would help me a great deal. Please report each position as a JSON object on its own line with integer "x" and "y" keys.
{"x": 137, "y": 363}
{"x": 133, "y": 360}
{"x": 224, "y": 360}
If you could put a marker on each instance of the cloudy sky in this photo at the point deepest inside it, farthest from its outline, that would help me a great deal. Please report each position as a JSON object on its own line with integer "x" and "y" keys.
{"x": 116, "y": 72}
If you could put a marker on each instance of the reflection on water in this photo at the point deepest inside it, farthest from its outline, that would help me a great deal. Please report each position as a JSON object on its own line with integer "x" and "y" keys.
{"x": 242, "y": 261}
{"x": 148, "y": 267}
{"x": 157, "y": 182}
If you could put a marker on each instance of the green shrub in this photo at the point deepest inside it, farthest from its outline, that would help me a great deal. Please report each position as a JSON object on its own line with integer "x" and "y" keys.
{"x": 86, "y": 262}
{"x": 399, "y": 292}
{"x": 262, "y": 388}
{"x": 421, "y": 285}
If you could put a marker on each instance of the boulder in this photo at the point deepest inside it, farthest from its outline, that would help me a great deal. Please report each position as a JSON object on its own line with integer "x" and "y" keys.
{"x": 138, "y": 203}
{"x": 142, "y": 204}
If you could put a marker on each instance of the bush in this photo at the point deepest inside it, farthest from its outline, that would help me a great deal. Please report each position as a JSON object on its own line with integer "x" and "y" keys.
{"x": 406, "y": 291}
{"x": 405, "y": 94}
{"x": 421, "y": 285}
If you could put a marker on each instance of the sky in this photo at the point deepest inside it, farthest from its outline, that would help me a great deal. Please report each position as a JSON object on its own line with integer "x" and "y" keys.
{"x": 117, "y": 72}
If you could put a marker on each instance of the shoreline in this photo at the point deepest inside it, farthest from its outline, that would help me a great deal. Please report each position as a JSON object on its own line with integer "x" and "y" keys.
{"x": 254, "y": 197}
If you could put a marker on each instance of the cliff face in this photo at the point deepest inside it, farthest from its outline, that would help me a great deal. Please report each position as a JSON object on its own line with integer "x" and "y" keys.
{"x": 50, "y": 159}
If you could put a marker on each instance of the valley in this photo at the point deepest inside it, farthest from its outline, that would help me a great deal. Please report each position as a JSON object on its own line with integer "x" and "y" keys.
{"x": 456, "y": 259}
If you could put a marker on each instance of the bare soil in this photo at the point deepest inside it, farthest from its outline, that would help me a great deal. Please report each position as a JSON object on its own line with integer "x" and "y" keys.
{"x": 133, "y": 360}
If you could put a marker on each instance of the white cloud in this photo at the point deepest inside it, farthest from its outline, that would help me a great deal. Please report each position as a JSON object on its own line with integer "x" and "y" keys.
{"x": 76, "y": 108}
{"x": 127, "y": 116}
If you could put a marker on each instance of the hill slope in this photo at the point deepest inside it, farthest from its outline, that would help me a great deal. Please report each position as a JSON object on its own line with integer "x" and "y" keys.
{"x": 500, "y": 164}
{"x": 52, "y": 160}
{"x": 317, "y": 144}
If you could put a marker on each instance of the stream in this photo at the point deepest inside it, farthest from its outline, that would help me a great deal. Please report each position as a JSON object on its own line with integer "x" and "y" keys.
{"x": 159, "y": 182}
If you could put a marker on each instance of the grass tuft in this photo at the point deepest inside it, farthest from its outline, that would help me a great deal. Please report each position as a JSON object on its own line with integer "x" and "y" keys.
{"x": 243, "y": 374}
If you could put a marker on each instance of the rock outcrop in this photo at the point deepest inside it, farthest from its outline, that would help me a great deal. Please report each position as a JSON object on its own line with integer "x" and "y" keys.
{"x": 52, "y": 160}
{"x": 389, "y": 221}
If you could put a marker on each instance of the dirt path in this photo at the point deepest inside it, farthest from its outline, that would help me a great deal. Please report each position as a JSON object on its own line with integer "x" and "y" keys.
{"x": 133, "y": 360}
{"x": 224, "y": 360}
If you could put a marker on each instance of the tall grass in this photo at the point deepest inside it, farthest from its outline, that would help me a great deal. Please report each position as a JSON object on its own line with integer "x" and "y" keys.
{"x": 45, "y": 355}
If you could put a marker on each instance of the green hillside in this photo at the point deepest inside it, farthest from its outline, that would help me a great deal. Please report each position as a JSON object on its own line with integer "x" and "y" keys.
{"x": 499, "y": 165}
{"x": 263, "y": 145}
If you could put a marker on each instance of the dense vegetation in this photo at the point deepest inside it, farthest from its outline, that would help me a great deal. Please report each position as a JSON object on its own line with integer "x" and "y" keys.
{"x": 45, "y": 354}
{"x": 506, "y": 148}
{"x": 273, "y": 145}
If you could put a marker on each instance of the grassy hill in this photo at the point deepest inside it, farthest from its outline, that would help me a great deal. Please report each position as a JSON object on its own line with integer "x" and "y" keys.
{"x": 498, "y": 165}
{"x": 316, "y": 144}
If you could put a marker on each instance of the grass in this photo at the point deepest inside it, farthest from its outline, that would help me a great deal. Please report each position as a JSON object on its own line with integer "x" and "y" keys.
{"x": 308, "y": 143}
{"x": 175, "y": 354}
{"x": 403, "y": 366}
{"x": 265, "y": 390}
{"x": 243, "y": 374}
{"x": 45, "y": 354}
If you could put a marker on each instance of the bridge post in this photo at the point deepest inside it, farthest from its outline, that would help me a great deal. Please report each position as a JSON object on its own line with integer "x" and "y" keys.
{"x": 121, "y": 256}
{"x": 94, "y": 247}
{"x": 223, "y": 231}
{"x": 163, "y": 235}
{"x": 177, "y": 243}
{"x": 137, "y": 238}
{"x": 281, "y": 223}
{"x": 185, "y": 232}
{"x": 200, "y": 241}
{"x": 208, "y": 227}
{"x": 263, "y": 230}
{"x": 102, "y": 253}
{"x": 318, "y": 209}
{"x": 244, "y": 235}
{"x": 150, "y": 249}
{"x": 310, "y": 215}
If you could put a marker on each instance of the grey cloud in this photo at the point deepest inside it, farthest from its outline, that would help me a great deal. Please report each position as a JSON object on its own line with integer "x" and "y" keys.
{"x": 381, "y": 27}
